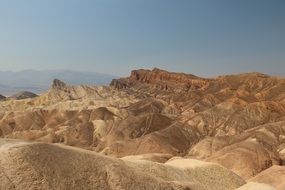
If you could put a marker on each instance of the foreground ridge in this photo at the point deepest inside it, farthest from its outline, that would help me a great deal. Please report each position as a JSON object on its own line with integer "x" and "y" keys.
{"x": 41, "y": 162}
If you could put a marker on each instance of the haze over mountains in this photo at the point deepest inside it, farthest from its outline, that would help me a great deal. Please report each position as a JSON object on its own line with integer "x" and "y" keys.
{"x": 167, "y": 130}
{"x": 39, "y": 81}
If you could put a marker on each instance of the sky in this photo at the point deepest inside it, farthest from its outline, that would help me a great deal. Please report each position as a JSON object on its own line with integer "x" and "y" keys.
{"x": 202, "y": 37}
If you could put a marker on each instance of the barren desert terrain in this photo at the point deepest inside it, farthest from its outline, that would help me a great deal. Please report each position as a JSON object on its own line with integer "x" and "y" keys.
{"x": 152, "y": 130}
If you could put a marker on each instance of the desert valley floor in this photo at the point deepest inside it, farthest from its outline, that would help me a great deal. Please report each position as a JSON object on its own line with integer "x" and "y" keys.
{"x": 152, "y": 130}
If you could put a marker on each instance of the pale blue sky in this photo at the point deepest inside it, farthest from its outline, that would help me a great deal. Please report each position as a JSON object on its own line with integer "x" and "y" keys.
{"x": 203, "y": 37}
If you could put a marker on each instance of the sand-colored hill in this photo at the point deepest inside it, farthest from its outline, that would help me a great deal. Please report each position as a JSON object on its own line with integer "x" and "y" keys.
{"x": 274, "y": 176}
{"x": 42, "y": 166}
{"x": 256, "y": 186}
{"x": 236, "y": 121}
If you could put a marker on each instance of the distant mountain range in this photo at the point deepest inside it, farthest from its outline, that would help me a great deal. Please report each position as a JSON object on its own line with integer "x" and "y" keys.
{"x": 39, "y": 81}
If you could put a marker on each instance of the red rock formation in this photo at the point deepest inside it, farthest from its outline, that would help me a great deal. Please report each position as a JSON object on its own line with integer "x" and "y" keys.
{"x": 162, "y": 80}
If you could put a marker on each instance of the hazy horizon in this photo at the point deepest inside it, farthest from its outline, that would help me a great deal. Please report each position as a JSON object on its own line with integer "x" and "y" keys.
{"x": 202, "y": 37}
{"x": 281, "y": 74}
{"x": 35, "y": 81}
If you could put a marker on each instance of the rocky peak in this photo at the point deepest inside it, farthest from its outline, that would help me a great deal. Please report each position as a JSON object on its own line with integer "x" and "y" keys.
{"x": 160, "y": 79}
{"x": 2, "y": 97}
{"x": 119, "y": 83}
{"x": 58, "y": 84}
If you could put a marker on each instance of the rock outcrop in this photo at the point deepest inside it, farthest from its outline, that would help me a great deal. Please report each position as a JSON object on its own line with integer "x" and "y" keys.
{"x": 58, "y": 85}
{"x": 23, "y": 95}
{"x": 2, "y": 97}
{"x": 161, "y": 80}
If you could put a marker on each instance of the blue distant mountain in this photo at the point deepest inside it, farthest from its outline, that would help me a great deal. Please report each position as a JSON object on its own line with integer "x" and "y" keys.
{"x": 39, "y": 81}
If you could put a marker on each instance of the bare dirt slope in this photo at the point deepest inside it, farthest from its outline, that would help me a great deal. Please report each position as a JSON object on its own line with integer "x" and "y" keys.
{"x": 237, "y": 121}
{"x": 26, "y": 165}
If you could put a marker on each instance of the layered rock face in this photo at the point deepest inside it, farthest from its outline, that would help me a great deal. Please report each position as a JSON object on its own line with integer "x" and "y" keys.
{"x": 161, "y": 80}
{"x": 237, "y": 121}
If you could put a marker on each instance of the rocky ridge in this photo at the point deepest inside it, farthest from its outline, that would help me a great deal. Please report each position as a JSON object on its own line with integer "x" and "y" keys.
{"x": 236, "y": 121}
{"x": 23, "y": 95}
